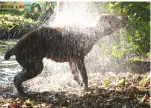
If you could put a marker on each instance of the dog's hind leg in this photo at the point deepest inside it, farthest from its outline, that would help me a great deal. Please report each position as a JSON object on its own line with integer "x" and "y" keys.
{"x": 33, "y": 69}
{"x": 74, "y": 69}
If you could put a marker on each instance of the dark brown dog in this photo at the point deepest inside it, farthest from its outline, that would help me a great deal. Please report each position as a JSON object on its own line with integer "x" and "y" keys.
{"x": 68, "y": 44}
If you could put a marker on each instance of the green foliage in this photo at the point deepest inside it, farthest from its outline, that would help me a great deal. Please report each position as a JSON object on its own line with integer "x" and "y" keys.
{"x": 117, "y": 51}
{"x": 135, "y": 59}
{"x": 12, "y": 12}
{"x": 48, "y": 5}
{"x": 148, "y": 55}
{"x": 48, "y": 10}
{"x": 45, "y": 6}
{"x": 9, "y": 21}
{"x": 15, "y": 26}
{"x": 16, "y": 23}
{"x": 138, "y": 30}
{"x": 32, "y": 14}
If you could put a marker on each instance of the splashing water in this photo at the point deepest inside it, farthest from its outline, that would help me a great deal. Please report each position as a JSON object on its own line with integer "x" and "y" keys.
{"x": 57, "y": 76}
{"x": 73, "y": 13}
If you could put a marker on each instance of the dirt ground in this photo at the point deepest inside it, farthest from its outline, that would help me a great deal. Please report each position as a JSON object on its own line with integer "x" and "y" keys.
{"x": 130, "y": 91}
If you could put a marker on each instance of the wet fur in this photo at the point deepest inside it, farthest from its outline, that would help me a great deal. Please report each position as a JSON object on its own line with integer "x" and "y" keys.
{"x": 53, "y": 43}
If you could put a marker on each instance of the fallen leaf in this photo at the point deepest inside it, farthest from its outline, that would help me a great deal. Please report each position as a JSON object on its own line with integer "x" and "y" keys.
{"x": 121, "y": 82}
{"x": 145, "y": 98}
{"x": 147, "y": 84}
{"x": 29, "y": 102}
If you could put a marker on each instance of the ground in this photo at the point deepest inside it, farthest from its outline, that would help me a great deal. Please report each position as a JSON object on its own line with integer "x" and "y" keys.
{"x": 120, "y": 91}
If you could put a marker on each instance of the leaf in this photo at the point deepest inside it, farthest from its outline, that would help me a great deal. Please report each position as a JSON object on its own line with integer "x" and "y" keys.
{"x": 121, "y": 82}
{"x": 147, "y": 84}
{"x": 29, "y": 102}
{"x": 13, "y": 105}
{"x": 145, "y": 98}
{"x": 145, "y": 81}
{"x": 107, "y": 81}
{"x": 148, "y": 7}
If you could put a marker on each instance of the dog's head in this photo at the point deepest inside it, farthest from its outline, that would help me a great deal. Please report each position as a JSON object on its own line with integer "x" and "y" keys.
{"x": 111, "y": 23}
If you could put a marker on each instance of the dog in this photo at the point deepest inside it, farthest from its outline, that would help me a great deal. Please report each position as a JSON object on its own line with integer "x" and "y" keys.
{"x": 61, "y": 45}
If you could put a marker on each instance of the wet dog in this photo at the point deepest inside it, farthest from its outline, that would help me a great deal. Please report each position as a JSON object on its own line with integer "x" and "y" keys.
{"x": 61, "y": 45}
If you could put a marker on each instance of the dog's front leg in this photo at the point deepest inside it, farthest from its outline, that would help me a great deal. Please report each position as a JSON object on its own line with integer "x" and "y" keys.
{"x": 83, "y": 72}
{"x": 74, "y": 70}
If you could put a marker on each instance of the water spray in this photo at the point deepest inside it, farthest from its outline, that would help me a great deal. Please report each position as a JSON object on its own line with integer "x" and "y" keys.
{"x": 59, "y": 75}
{"x": 2, "y": 60}
{"x": 69, "y": 14}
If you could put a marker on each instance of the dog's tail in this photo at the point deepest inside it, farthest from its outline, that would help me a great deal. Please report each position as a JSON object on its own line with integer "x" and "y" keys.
{"x": 8, "y": 54}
